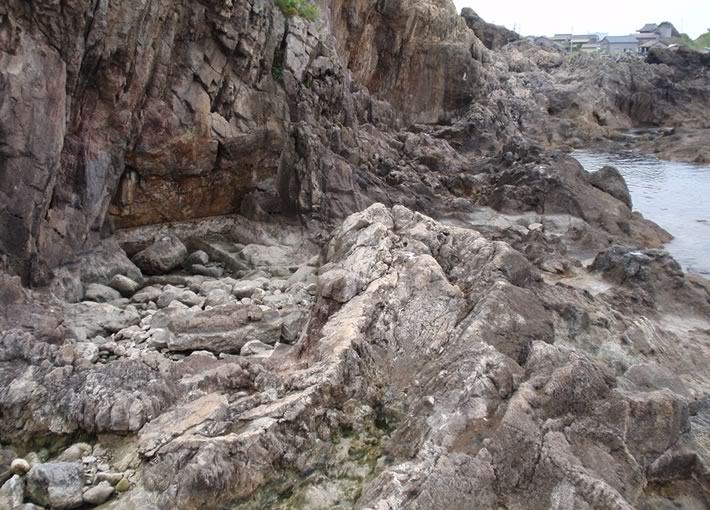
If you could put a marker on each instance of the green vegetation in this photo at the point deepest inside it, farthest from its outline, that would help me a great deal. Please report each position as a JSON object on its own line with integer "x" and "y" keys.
{"x": 698, "y": 44}
{"x": 301, "y": 8}
{"x": 703, "y": 41}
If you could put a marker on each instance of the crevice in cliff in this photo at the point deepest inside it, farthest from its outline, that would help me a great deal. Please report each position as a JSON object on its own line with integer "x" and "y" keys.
{"x": 279, "y": 60}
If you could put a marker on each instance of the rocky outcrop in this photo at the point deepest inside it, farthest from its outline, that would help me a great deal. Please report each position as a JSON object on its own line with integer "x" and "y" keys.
{"x": 586, "y": 98}
{"x": 170, "y": 111}
{"x": 165, "y": 112}
{"x": 610, "y": 180}
{"x": 493, "y": 37}
{"x": 394, "y": 319}
{"x": 428, "y": 350}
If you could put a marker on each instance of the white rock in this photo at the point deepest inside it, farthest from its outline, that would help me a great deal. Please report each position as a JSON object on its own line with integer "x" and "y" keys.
{"x": 19, "y": 466}
{"x": 255, "y": 348}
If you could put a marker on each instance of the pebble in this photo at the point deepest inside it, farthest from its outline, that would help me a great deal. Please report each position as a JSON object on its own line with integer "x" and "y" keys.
{"x": 19, "y": 466}
{"x": 123, "y": 485}
{"x": 112, "y": 478}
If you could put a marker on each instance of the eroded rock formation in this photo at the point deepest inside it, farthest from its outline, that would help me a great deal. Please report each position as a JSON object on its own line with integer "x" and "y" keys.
{"x": 253, "y": 261}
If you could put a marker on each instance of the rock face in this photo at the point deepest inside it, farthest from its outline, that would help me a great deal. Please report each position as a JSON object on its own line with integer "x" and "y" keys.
{"x": 57, "y": 485}
{"x": 12, "y": 493}
{"x": 429, "y": 350}
{"x": 225, "y": 328}
{"x": 492, "y": 36}
{"x": 278, "y": 115}
{"x": 163, "y": 255}
{"x": 610, "y": 180}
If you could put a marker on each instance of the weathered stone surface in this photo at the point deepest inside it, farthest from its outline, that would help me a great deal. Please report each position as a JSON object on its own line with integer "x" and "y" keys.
{"x": 100, "y": 293}
{"x": 7, "y": 457}
{"x": 165, "y": 254}
{"x": 492, "y": 36}
{"x": 338, "y": 284}
{"x": 12, "y": 493}
{"x": 177, "y": 421}
{"x": 170, "y": 294}
{"x": 433, "y": 365}
{"x": 98, "y": 318}
{"x": 197, "y": 257}
{"x": 255, "y": 347}
{"x": 124, "y": 285}
{"x": 610, "y": 180}
{"x": 56, "y": 485}
{"x": 445, "y": 352}
{"x": 245, "y": 288}
{"x": 99, "y": 493}
{"x": 225, "y": 328}
{"x": 20, "y": 466}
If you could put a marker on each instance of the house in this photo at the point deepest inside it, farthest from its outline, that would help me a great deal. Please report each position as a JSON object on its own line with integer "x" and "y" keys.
{"x": 563, "y": 40}
{"x": 572, "y": 42}
{"x": 590, "y": 47}
{"x": 619, "y": 44}
{"x": 649, "y": 28}
{"x": 665, "y": 30}
{"x": 645, "y": 46}
{"x": 545, "y": 42}
{"x": 647, "y": 36}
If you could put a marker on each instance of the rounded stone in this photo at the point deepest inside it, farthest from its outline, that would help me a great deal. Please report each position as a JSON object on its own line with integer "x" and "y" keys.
{"x": 20, "y": 466}
{"x": 123, "y": 485}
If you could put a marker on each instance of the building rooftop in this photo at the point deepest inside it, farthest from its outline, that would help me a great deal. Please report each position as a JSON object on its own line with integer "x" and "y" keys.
{"x": 584, "y": 38}
{"x": 649, "y": 27}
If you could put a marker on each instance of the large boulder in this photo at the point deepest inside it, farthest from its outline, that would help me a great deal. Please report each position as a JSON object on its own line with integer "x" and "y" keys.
{"x": 124, "y": 285}
{"x": 6, "y": 457}
{"x": 610, "y": 180}
{"x": 624, "y": 265}
{"x": 12, "y": 493}
{"x": 225, "y": 328}
{"x": 56, "y": 485}
{"x": 99, "y": 318}
{"x": 164, "y": 255}
{"x": 101, "y": 293}
{"x": 98, "y": 494}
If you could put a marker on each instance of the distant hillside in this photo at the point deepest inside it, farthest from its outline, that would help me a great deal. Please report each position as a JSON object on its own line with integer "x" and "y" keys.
{"x": 703, "y": 41}
{"x": 698, "y": 44}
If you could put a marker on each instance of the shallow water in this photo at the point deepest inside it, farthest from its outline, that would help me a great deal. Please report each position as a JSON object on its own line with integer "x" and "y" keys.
{"x": 674, "y": 195}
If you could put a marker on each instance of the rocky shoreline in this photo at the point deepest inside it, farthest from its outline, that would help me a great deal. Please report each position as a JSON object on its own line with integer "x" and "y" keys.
{"x": 252, "y": 261}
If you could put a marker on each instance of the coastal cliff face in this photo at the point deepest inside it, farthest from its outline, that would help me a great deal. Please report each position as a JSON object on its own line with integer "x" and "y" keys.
{"x": 123, "y": 114}
{"x": 143, "y": 112}
{"x": 256, "y": 261}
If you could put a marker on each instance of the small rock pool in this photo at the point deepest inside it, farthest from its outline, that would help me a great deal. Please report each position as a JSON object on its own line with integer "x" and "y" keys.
{"x": 674, "y": 195}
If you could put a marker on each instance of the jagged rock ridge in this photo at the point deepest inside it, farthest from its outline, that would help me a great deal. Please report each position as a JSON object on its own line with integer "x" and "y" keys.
{"x": 442, "y": 346}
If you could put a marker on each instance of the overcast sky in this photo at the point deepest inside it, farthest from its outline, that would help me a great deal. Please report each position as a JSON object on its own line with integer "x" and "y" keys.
{"x": 615, "y": 17}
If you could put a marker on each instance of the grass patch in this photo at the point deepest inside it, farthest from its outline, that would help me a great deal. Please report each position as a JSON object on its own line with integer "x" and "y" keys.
{"x": 298, "y": 8}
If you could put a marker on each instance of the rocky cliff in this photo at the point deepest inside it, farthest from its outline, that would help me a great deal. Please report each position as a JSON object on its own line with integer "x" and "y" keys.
{"x": 259, "y": 261}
